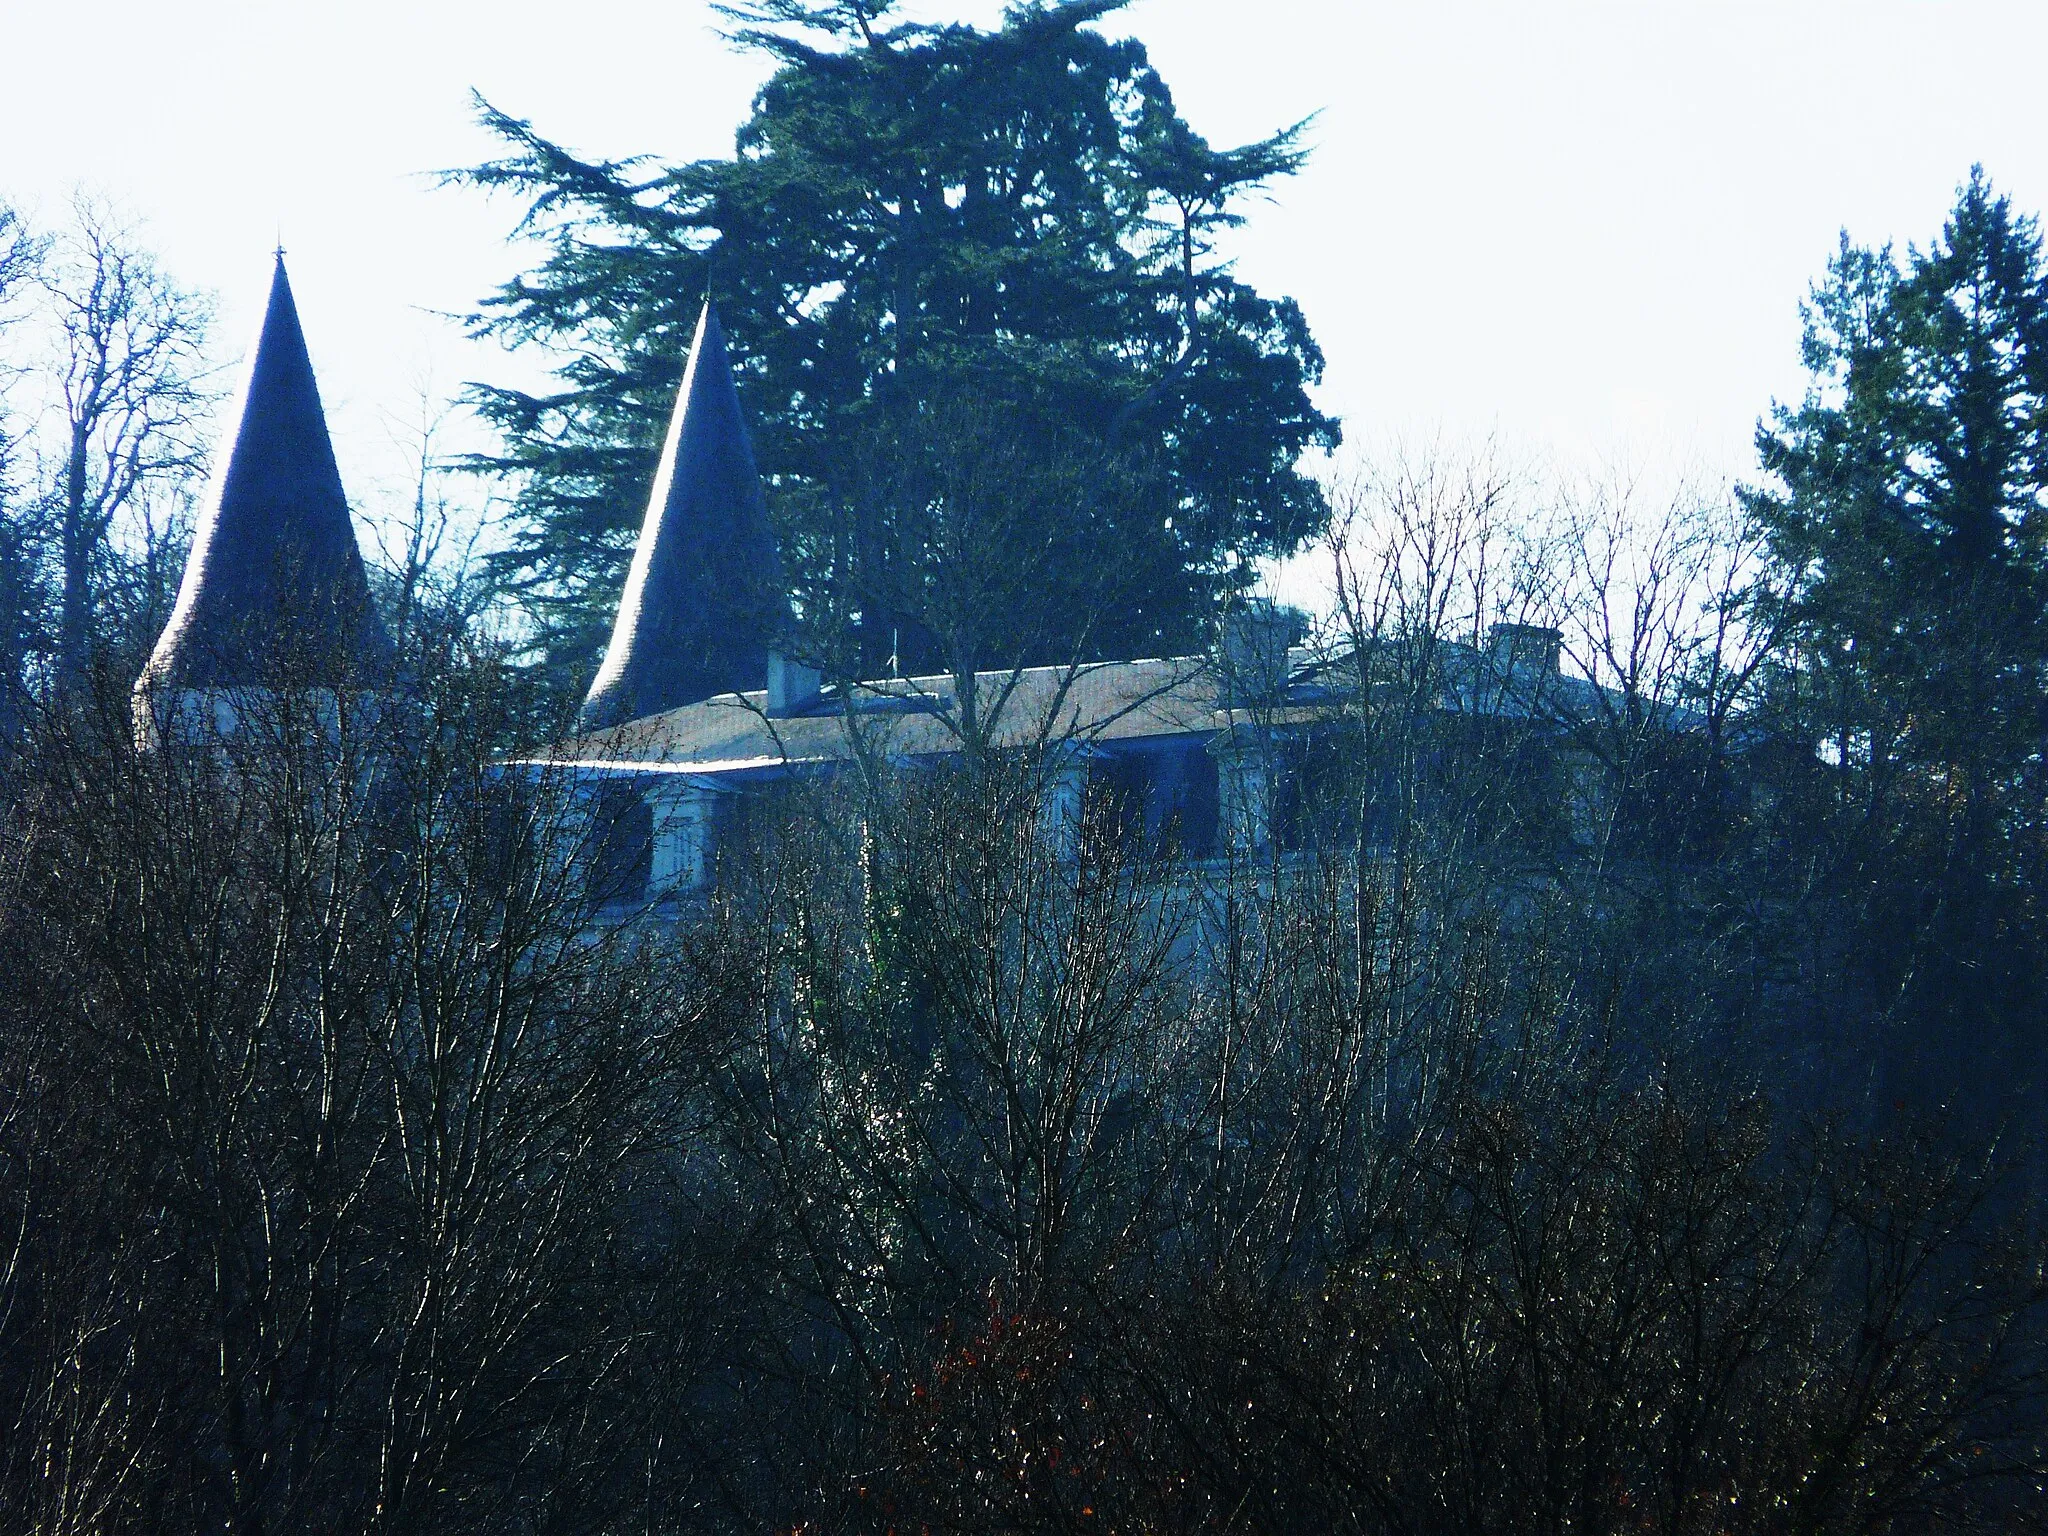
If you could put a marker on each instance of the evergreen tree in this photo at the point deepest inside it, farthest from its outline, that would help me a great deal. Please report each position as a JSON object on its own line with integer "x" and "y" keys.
{"x": 1911, "y": 504}
{"x": 916, "y": 217}
{"x": 1907, "y": 524}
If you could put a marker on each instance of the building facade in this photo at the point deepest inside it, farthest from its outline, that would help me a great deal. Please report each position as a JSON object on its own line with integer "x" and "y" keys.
{"x": 700, "y": 709}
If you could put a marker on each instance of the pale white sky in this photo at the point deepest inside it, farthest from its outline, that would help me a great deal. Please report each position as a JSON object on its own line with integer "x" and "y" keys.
{"x": 1583, "y": 226}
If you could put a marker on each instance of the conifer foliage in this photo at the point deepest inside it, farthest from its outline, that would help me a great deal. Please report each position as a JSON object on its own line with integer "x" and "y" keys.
{"x": 1906, "y": 516}
{"x": 916, "y": 216}
{"x": 1912, "y": 500}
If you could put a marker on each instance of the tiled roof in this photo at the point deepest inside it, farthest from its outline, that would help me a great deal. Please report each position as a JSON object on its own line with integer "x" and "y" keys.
{"x": 911, "y": 717}
{"x": 275, "y": 580}
{"x": 703, "y": 599}
{"x": 1083, "y": 705}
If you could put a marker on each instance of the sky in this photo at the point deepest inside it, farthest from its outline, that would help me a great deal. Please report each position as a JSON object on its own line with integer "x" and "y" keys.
{"x": 1578, "y": 228}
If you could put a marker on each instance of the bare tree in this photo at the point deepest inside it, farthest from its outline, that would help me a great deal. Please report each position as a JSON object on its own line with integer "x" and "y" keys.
{"x": 130, "y": 383}
{"x": 433, "y": 586}
{"x": 22, "y": 253}
{"x": 334, "y": 1145}
{"x": 967, "y": 1161}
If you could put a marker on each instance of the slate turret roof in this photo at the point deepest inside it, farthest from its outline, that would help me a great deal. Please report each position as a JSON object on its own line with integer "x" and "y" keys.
{"x": 274, "y": 588}
{"x": 703, "y": 600}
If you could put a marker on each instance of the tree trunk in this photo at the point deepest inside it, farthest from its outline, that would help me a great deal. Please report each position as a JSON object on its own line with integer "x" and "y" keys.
{"x": 74, "y": 637}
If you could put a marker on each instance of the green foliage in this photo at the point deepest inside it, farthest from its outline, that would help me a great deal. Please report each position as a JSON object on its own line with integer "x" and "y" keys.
{"x": 918, "y": 219}
{"x": 1906, "y": 531}
{"x": 1911, "y": 501}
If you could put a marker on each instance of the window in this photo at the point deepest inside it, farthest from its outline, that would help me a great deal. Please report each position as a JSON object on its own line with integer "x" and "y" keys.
{"x": 1165, "y": 793}
{"x": 1316, "y": 801}
{"x": 622, "y": 845}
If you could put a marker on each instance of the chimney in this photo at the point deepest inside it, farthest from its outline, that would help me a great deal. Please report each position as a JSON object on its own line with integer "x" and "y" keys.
{"x": 792, "y": 686}
{"x": 1533, "y": 648}
{"x": 1256, "y": 634}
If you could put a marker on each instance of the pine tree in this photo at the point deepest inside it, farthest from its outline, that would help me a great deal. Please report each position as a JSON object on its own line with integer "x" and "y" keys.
{"x": 1906, "y": 524}
{"x": 1910, "y": 507}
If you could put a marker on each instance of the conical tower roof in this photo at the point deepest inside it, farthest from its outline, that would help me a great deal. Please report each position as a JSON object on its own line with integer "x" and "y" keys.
{"x": 274, "y": 587}
{"x": 703, "y": 599}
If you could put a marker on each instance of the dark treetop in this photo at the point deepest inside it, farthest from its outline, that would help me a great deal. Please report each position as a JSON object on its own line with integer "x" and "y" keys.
{"x": 275, "y": 584}
{"x": 703, "y": 597}
{"x": 945, "y": 257}
{"x": 1908, "y": 502}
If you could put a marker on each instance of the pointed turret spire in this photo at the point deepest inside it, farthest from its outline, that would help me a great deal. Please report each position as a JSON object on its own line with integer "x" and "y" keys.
{"x": 275, "y": 584}
{"x": 703, "y": 599}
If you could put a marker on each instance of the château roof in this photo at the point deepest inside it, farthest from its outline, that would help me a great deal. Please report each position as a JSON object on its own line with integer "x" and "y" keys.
{"x": 910, "y": 717}
{"x": 703, "y": 598}
{"x": 274, "y": 586}
{"x": 1112, "y": 705}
